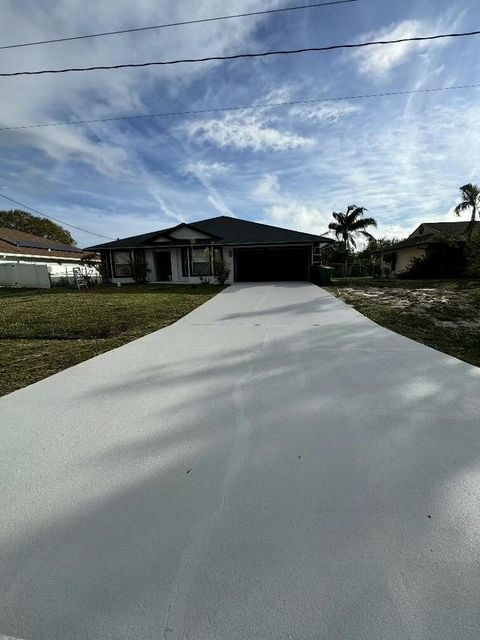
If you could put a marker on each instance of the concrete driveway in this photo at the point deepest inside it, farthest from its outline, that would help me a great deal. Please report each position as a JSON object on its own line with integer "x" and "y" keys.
{"x": 272, "y": 466}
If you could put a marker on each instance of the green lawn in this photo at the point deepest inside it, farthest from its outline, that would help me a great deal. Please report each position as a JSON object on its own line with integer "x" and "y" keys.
{"x": 443, "y": 314}
{"x": 45, "y": 331}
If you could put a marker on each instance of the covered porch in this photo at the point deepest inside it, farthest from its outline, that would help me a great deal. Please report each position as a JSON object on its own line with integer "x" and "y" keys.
{"x": 182, "y": 264}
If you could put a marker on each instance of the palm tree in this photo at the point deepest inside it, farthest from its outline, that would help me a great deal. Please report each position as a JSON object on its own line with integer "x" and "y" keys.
{"x": 349, "y": 225}
{"x": 470, "y": 200}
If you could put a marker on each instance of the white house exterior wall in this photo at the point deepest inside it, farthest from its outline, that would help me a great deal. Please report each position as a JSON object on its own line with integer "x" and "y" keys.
{"x": 404, "y": 257}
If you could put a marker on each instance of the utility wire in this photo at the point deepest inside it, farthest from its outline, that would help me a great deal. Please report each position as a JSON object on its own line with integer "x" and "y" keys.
{"x": 265, "y": 105}
{"x": 44, "y": 215}
{"x": 177, "y": 24}
{"x": 238, "y": 56}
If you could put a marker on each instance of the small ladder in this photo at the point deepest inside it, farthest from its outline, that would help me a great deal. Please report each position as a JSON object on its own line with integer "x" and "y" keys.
{"x": 79, "y": 278}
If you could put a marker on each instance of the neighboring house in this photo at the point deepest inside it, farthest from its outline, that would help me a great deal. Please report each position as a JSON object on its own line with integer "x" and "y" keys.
{"x": 424, "y": 239}
{"x": 187, "y": 252}
{"x": 19, "y": 248}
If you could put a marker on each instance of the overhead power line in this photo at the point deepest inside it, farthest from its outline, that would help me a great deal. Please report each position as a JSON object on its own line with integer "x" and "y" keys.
{"x": 264, "y": 105}
{"x": 44, "y": 215}
{"x": 177, "y": 24}
{"x": 238, "y": 56}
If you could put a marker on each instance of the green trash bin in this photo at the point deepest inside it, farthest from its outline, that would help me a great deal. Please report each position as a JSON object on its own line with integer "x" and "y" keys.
{"x": 326, "y": 275}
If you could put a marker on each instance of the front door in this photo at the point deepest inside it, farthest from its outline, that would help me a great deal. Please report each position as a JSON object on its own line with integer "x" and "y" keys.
{"x": 163, "y": 265}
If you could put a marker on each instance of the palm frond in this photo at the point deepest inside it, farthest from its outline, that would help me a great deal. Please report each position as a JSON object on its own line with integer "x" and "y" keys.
{"x": 367, "y": 235}
{"x": 354, "y": 213}
{"x": 460, "y": 208}
{"x": 363, "y": 223}
{"x": 339, "y": 217}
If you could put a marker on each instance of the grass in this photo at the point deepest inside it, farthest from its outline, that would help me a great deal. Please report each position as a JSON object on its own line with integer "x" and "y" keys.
{"x": 443, "y": 314}
{"x": 45, "y": 331}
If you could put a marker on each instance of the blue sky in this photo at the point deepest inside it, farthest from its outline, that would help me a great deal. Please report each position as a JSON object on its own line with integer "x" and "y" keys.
{"x": 402, "y": 157}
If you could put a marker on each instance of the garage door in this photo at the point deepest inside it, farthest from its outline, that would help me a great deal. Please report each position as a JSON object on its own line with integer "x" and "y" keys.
{"x": 257, "y": 265}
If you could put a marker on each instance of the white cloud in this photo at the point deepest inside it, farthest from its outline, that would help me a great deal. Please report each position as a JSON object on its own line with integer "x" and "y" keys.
{"x": 205, "y": 169}
{"x": 284, "y": 210}
{"x": 299, "y": 216}
{"x": 267, "y": 189}
{"x": 244, "y": 132}
{"x": 324, "y": 112}
{"x": 380, "y": 60}
{"x": 220, "y": 205}
{"x": 262, "y": 131}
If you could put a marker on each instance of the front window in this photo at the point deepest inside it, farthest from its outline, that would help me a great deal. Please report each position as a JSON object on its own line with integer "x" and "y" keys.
{"x": 201, "y": 262}
{"x": 122, "y": 264}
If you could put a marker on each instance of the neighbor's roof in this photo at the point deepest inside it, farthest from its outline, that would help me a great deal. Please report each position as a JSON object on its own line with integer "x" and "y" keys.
{"x": 409, "y": 242}
{"x": 456, "y": 229}
{"x": 222, "y": 230}
{"x": 21, "y": 243}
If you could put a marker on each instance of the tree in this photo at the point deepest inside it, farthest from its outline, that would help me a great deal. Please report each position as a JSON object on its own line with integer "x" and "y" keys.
{"x": 349, "y": 225}
{"x": 470, "y": 194}
{"x": 335, "y": 252}
{"x": 38, "y": 226}
{"x": 374, "y": 245}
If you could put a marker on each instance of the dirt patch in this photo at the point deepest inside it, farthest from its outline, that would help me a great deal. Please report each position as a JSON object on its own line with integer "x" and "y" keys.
{"x": 442, "y": 314}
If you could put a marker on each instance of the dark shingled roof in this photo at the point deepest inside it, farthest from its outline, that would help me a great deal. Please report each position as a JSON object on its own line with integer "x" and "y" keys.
{"x": 222, "y": 230}
{"x": 457, "y": 227}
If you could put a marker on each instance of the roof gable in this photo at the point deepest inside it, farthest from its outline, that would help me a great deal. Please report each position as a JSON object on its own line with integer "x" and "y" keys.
{"x": 422, "y": 230}
{"x": 160, "y": 239}
{"x": 189, "y": 232}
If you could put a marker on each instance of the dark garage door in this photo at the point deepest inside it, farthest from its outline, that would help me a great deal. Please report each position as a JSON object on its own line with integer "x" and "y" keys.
{"x": 257, "y": 265}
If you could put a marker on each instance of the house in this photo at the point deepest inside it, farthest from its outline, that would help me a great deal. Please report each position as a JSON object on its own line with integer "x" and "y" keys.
{"x": 54, "y": 261}
{"x": 420, "y": 242}
{"x": 187, "y": 252}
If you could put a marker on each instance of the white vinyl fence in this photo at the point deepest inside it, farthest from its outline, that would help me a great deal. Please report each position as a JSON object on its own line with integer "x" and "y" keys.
{"x": 17, "y": 274}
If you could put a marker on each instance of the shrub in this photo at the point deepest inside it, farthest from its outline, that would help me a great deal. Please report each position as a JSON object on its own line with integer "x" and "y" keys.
{"x": 221, "y": 270}
{"x": 139, "y": 270}
{"x": 443, "y": 261}
{"x": 473, "y": 257}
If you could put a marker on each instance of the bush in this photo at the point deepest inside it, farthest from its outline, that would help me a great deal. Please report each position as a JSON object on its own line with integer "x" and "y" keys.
{"x": 221, "y": 270}
{"x": 473, "y": 257}
{"x": 445, "y": 261}
{"x": 139, "y": 269}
